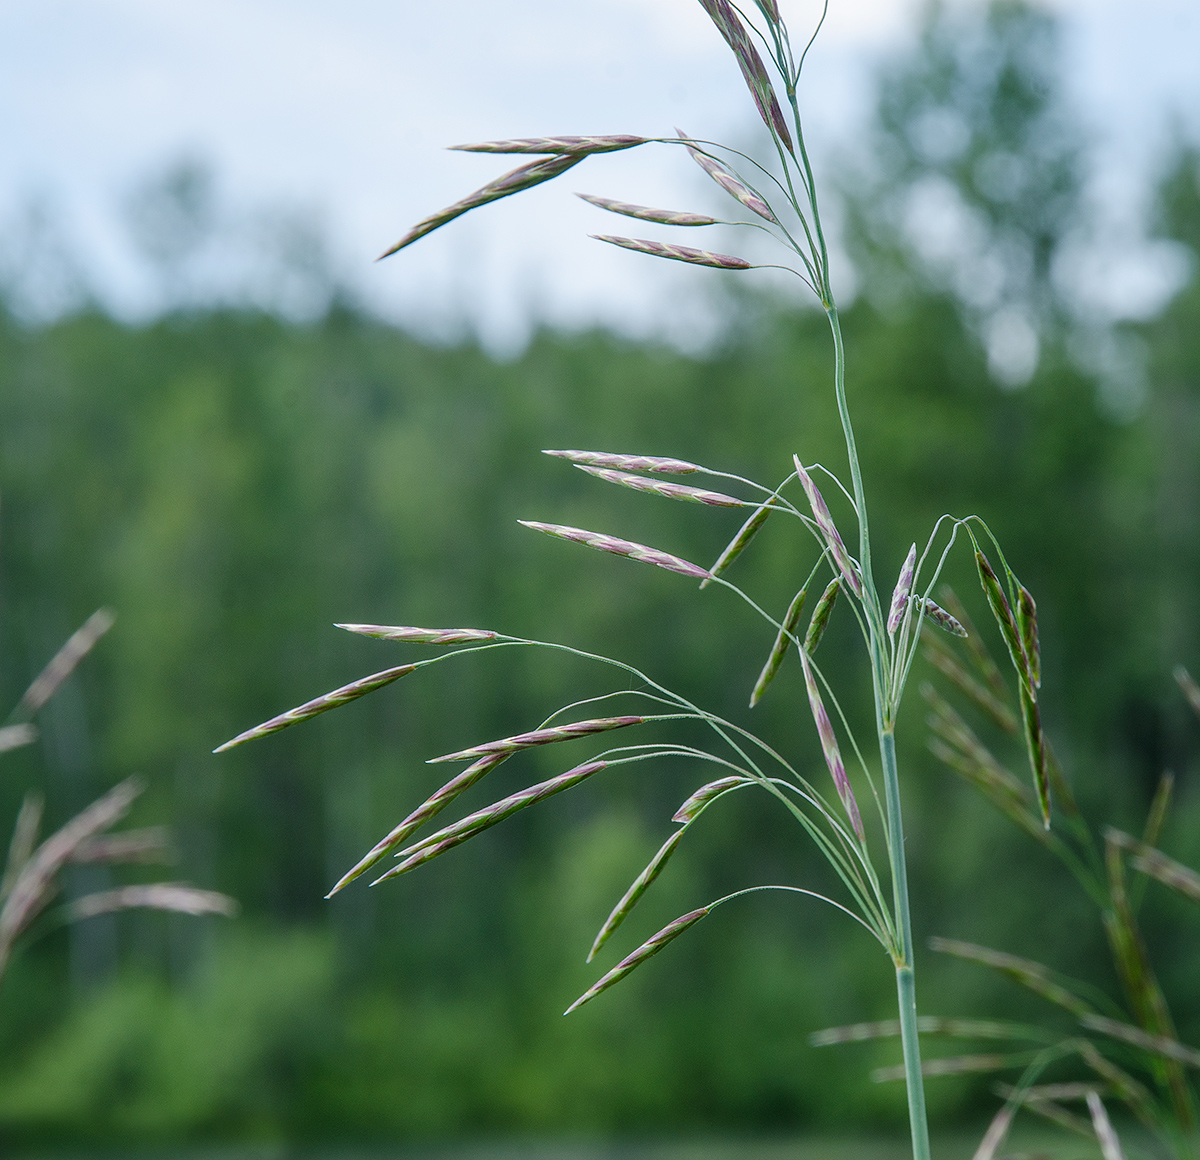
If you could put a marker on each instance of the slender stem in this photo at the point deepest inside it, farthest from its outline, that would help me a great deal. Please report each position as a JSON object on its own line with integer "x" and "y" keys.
{"x": 906, "y": 991}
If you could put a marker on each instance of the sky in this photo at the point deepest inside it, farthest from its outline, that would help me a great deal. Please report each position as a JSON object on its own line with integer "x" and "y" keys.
{"x": 335, "y": 117}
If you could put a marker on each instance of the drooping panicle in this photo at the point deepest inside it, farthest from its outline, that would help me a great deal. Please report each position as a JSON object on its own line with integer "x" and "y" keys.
{"x": 903, "y": 591}
{"x": 647, "y": 950}
{"x": 420, "y": 635}
{"x": 334, "y": 700}
{"x": 779, "y": 649}
{"x": 943, "y": 619}
{"x": 524, "y": 177}
{"x": 663, "y": 488}
{"x": 618, "y": 547}
{"x": 729, "y": 181}
{"x": 570, "y": 146}
{"x": 820, "y": 511}
{"x": 676, "y": 253}
{"x": 730, "y": 26}
{"x": 665, "y": 217}
{"x": 707, "y": 793}
{"x": 638, "y": 887}
{"x": 738, "y": 544}
{"x": 1004, "y": 618}
{"x": 510, "y": 745}
{"x": 1028, "y": 627}
{"x": 829, "y": 746}
{"x": 427, "y": 810}
{"x": 820, "y": 616}
{"x": 657, "y": 464}
{"x": 465, "y": 829}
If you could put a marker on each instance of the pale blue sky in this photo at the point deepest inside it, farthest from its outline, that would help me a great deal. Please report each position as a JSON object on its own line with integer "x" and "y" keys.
{"x": 342, "y": 109}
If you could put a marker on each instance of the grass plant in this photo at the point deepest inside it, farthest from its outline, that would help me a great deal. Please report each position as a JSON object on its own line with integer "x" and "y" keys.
{"x": 864, "y": 848}
{"x": 1127, "y": 1047}
{"x": 30, "y": 884}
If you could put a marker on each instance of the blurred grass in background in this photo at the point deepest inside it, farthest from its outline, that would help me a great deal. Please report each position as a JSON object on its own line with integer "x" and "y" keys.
{"x": 232, "y": 483}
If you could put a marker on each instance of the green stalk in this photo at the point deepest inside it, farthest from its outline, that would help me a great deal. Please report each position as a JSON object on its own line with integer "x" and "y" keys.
{"x": 906, "y": 991}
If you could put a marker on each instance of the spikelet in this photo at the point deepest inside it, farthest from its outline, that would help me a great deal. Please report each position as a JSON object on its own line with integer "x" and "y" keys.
{"x": 465, "y": 829}
{"x": 753, "y": 70}
{"x": 903, "y": 590}
{"x": 639, "y": 887}
{"x": 1004, "y": 618}
{"x": 665, "y": 217}
{"x": 663, "y": 488}
{"x": 828, "y": 528}
{"x": 676, "y": 253}
{"x": 420, "y": 635}
{"x": 657, "y": 464}
{"x": 338, "y": 697}
{"x": 779, "y": 650}
{"x": 648, "y": 949}
{"x": 428, "y": 809}
{"x": 572, "y": 146}
{"x": 1027, "y": 626}
{"x": 728, "y": 181}
{"x": 509, "y": 745}
{"x": 1035, "y": 742}
{"x": 820, "y": 616}
{"x": 943, "y": 619}
{"x": 618, "y": 547}
{"x": 829, "y": 746}
{"x": 524, "y": 177}
{"x": 738, "y": 544}
{"x": 705, "y": 794}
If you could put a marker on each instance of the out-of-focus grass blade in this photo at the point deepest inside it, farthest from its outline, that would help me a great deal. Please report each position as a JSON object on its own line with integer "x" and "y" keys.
{"x": 955, "y": 1065}
{"x": 980, "y": 656}
{"x": 939, "y": 654}
{"x": 1155, "y": 1044}
{"x": 929, "y": 1025}
{"x": 15, "y": 736}
{"x": 1190, "y": 689}
{"x": 1155, "y": 863}
{"x": 63, "y": 663}
{"x": 177, "y": 896}
{"x": 1032, "y": 975}
{"x": 24, "y": 839}
{"x": 1110, "y": 1146}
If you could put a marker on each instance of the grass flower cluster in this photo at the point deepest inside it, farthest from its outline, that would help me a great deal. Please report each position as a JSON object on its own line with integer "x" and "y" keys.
{"x": 864, "y": 847}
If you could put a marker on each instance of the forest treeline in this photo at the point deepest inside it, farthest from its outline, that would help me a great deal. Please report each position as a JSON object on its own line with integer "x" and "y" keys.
{"x": 233, "y": 484}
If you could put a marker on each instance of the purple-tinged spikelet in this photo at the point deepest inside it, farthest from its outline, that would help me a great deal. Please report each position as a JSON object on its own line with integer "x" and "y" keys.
{"x": 639, "y": 887}
{"x": 524, "y": 177}
{"x": 509, "y": 745}
{"x": 1028, "y": 628}
{"x": 943, "y": 619}
{"x": 676, "y": 253}
{"x": 903, "y": 590}
{"x": 665, "y": 217}
{"x": 461, "y": 831}
{"x": 729, "y": 182}
{"x": 820, "y": 511}
{"x": 428, "y": 809}
{"x": 737, "y": 545}
{"x": 569, "y": 146}
{"x": 661, "y": 487}
{"x": 829, "y": 746}
{"x": 338, "y": 697}
{"x": 779, "y": 650}
{"x": 1004, "y": 618}
{"x": 757, "y": 81}
{"x": 617, "y": 547}
{"x": 648, "y": 949}
{"x": 705, "y": 794}
{"x": 420, "y": 635}
{"x": 1035, "y": 742}
{"x": 820, "y": 616}
{"x": 657, "y": 464}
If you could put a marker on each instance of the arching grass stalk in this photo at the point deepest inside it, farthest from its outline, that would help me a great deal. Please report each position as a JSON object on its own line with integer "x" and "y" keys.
{"x": 782, "y": 202}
